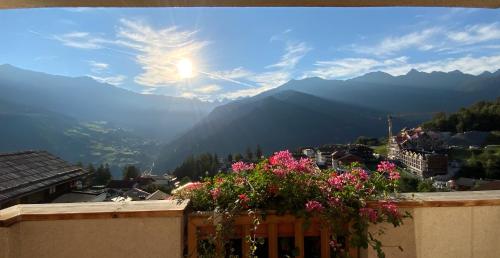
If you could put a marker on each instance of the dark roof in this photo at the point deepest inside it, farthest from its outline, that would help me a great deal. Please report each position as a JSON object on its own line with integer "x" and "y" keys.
{"x": 121, "y": 184}
{"x": 144, "y": 180}
{"x": 494, "y": 185}
{"x": 350, "y": 158}
{"x": 31, "y": 171}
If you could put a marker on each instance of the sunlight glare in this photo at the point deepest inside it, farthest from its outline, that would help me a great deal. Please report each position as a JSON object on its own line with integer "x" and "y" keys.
{"x": 185, "y": 68}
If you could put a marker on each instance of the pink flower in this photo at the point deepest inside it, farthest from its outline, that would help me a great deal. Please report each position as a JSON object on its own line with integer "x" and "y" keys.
{"x": 390, "y": 209}
{"x": 386, "y": 166}
{"x": 394, "y": 175}
{"x": 369, "y": 213}
{"x": 280, "y": 172}
{"x": 283, "y": 163}
{"x": 342, "y": 180}
{"x": 336, "y": 182}
{"x": 305, "y": 165}
{"x": 215, "y": 193}
{"x": 194, "y": 186}
{"x": 312, "y": 206}
{"x": 334, "y": 244}
{"x": 242, "y": 166}
{"x": 363, "y": 176}
{"x": 281, "y": 158}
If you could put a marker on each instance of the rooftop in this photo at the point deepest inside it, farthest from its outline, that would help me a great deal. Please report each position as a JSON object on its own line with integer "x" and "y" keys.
{"x": 25, "y": 172}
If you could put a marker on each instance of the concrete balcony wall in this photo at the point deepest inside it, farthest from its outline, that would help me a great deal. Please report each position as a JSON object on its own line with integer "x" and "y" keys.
{"x": 454, "y": 225}
{"x": 155, "y": 229}
{"x": 445, "y": 225}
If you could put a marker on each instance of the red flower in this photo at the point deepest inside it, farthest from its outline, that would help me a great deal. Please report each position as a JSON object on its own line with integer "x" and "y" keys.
{"x": 244, "y": 200}
{"x": 312, "y": 206}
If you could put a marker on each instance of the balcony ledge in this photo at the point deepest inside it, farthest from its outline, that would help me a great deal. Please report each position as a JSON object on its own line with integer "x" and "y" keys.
{"x": 172, "y": 208}
{"x": 99, "y": 210}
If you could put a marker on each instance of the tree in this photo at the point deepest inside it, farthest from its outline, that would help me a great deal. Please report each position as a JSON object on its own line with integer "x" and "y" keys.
{"x": 249, "y": 153}
{"x": 258, "y": 152}
{"x": 425, "y": 186}
{"x": 90, "y": 168}
{"x": 196, "y": 167}
{"x": 408, "y": 184}
{"x": 131, "y": 172}
{"x": 481, "y": 116}
{"x": 102, "y": 175}
{"x": 367, "y": 141}
{"x": 238, "y": 157}
{"x": 230, "y": 158}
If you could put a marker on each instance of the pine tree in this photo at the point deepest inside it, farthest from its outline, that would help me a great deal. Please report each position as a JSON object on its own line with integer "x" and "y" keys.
{"x": 238, "y": 157}
{"x": 130, "y": 172}
{"x": 258, "y": 152}
{"x": 249, "y": 153}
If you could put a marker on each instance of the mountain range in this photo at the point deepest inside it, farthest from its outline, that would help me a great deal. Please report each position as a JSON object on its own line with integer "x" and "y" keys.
{"x": 153, "y": 116}
{"x": 315, "y": 111}
{"x": 80, "y": 119}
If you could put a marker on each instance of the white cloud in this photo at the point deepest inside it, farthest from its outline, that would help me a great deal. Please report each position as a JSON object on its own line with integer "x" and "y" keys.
{"x": 208, "y": 89}
{"x": 476, "y": 33}
{"x": 293, "y": 53}
{"x": 280, "y": 36}
{"x": 113, "y": 80}
{"x": 97, "y": 67}
{"x": 281, "y": 72}
{"x": 351, "y": 67}
{"x": 236, "y": 73}
{"x": 466, "y": 64}
{"x": 392, "y": 45}
{"x": 78, "y": 39}
{"x": 100, "y": 73}
{"x": 438, "y": 39}
{"x": 159, "y": 50}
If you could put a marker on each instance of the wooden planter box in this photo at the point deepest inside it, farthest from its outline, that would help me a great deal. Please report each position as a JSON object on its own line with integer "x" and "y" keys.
{"x": 279, "y": 232}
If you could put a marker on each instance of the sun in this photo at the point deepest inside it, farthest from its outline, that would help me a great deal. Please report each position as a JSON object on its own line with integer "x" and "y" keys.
{"x": 185, "y": 68}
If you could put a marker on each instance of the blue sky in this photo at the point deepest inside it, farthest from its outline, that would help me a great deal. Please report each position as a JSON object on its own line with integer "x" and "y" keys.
{"x": 236, "y": 52}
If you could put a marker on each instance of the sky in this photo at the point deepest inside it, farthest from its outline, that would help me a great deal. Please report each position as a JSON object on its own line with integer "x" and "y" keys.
{"x": 217, "y": 53}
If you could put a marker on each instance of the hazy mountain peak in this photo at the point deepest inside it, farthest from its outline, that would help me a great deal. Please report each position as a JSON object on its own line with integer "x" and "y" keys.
{"x": 374, "y": 77}
{"x": 413, "y": 71}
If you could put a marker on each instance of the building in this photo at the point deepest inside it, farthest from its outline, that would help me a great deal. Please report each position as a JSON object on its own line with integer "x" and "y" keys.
{"x": 345, "y": 159}
{"x": 422, "y": 152}
{"x": 36, "y": 177}
{"x": 424, "y": 164}
{"x": 309, "y": 152}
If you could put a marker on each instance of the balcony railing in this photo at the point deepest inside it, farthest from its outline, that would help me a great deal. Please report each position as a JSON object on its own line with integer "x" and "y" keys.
{"x": 455, "y": 224}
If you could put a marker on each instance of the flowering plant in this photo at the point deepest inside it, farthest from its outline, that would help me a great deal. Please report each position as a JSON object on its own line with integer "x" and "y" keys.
{"x": 288, "y": 185}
